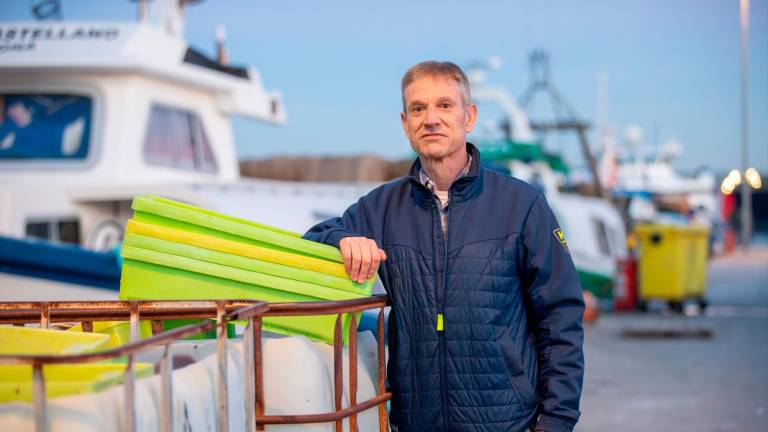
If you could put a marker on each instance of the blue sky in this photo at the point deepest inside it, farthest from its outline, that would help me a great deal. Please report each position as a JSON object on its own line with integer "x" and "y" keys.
{"x": 671, "y": 67}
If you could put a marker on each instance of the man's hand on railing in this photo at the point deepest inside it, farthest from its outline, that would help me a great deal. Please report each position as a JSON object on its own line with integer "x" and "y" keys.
{"x": 361, "y": 257}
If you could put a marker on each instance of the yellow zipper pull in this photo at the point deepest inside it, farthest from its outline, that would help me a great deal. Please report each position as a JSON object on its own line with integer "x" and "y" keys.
{"x": 439, "y": 322}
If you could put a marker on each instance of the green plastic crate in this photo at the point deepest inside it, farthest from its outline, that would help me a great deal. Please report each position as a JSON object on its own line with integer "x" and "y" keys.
{"x": 210, "y": 334}
{"x": 134, "y": 227}
{"x": 165, "y": 212}
{"x": 239, "y": 262}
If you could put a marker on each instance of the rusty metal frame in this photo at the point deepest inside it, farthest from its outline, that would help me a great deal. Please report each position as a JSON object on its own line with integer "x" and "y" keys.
{"x": 85, "y": 312}
{"x": 338, "y": 309}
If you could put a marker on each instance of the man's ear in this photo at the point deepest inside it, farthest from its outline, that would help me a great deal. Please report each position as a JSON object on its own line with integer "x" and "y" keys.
{"x": 404, "y": 121}
{"x": 471, "y": 117}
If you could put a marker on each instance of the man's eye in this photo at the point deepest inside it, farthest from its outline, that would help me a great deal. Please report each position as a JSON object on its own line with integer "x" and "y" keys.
{"x": 417, "y": 109}
{"x": 445, "y": 105}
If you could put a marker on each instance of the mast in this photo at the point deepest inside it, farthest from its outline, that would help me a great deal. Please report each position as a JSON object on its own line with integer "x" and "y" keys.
{"x": 746, "y": 189}
{"x": 565, "y": 117}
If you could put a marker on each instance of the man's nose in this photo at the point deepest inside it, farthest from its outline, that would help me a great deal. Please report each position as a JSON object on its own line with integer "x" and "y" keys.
{"x": 431, "y": 118}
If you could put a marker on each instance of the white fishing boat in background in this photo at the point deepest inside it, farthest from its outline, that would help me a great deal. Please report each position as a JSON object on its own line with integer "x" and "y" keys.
{"x": 93, "y": 114}
{"x": 646, "y": 176}
{"x": 594, "y": 228}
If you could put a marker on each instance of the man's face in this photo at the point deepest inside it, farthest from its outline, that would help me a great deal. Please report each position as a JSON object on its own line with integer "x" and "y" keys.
{"x": 435, "y": 120}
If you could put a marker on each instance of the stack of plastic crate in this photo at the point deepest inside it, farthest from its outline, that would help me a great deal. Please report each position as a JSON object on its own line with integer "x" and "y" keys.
{"x": 175, "y": 251}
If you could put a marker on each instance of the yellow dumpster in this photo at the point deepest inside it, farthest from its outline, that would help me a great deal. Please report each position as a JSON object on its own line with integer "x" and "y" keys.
{"x": 672, "y": 262}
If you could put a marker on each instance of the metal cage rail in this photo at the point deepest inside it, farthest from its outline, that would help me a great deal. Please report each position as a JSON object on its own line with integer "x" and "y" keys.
{"x": 86, "y": 312}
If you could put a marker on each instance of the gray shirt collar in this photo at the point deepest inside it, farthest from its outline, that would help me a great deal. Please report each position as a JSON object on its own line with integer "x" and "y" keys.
{"x": 426, "y": 181}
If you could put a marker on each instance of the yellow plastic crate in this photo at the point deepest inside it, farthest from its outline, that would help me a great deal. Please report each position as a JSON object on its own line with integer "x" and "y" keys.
{"x": 64, "y": 379}
{"x": 119, "y": 331}
{"x": 27, "y": 340}
{"x": 673, "y": 262}
{"x": 137, "y": 228}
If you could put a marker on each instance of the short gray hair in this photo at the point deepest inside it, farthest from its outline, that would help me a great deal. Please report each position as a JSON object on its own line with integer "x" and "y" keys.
{"x": 433, "y": 68}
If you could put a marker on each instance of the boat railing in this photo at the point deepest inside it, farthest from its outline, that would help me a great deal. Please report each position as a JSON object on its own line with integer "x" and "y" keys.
{"x": 224, "y": 311}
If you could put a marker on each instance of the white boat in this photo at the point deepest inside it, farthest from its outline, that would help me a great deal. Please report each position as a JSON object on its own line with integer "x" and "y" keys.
{"x": 594, "y": 228}
{"x": 647, "y": 176}
{"x": 93, "y": 114}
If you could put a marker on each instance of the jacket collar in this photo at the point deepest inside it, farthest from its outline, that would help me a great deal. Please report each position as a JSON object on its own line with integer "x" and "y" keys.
{"x": 462, "y": 189}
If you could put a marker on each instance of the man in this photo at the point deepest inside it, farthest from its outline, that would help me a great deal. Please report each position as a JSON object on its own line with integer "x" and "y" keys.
{"x": 485, "y": 329}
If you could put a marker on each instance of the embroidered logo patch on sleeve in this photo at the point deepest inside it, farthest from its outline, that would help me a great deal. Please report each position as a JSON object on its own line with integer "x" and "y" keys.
{"x": 560, "y": 236}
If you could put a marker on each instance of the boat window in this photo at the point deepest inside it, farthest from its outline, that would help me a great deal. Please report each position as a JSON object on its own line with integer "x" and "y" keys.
{"x": 69, "y": 231}
{"x": 617, "y": 241}
{"x": 44, "y": 126}
{"x": 57, "y": 230}
{"x": 39, "y": 230}
{"x": 176, "y": 138}
{"x": 602, "y": 236}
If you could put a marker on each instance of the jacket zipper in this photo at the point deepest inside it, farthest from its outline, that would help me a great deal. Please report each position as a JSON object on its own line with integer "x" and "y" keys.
{"x": 440, "y": 311}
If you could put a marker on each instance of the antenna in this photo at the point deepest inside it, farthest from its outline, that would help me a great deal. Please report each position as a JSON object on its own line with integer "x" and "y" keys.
{"x": 601, "y": 98}
{"x": 142, "y": 9}
{"x": 221, "y": 51}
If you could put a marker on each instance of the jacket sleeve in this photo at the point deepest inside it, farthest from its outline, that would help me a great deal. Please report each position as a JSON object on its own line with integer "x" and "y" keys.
{"x": 353, "y": 223}
{"x": 556, "y": 308}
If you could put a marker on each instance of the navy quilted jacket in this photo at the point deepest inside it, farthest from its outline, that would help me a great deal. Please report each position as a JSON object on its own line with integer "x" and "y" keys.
{"x": 509, "y": 355}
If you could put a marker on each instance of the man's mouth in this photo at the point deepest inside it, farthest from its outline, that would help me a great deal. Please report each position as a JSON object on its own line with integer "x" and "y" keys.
{"x": 432, "y": 135}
